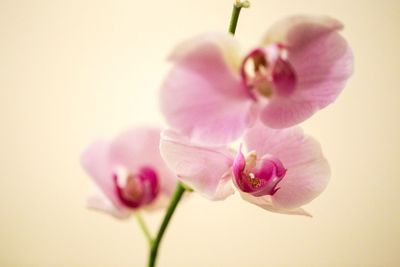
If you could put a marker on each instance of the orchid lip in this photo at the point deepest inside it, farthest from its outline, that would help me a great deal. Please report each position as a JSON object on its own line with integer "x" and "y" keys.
{"x": 257, "y": 177}
{"x": 138, "y": 189}
{"x": 258, "y": 58}
{"x": 267, "y": 71}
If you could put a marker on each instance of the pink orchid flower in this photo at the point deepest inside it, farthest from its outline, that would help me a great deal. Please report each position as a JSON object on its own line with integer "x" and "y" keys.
{"x": 283, "y": 170}
{"x": 212, "y": 93}
{"x": 128, "y": 173}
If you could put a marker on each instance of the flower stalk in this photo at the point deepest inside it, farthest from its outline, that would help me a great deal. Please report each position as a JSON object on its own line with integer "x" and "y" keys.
{"x": 180, "y": 189}
{"x": 144, "y": 228}
{"x": 237, "y": 7}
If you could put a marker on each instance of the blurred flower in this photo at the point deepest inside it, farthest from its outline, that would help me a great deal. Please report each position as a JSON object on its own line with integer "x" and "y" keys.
{"x": 284, "y": 169}
{"x": 212, "y": 93}
{"x": 128, "y": 173}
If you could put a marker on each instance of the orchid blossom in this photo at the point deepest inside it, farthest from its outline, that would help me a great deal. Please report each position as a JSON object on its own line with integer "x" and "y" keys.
{"x": 282, "y": 171}
{"x": 213, "y": 93}
{"x": 128, "y": 173}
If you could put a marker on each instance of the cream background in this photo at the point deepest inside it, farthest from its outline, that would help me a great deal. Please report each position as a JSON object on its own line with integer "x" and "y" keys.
{"x": 74, "y": 70}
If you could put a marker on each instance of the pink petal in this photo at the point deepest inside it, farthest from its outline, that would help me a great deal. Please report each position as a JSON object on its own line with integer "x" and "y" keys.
{"x": 98, "y": 201}
{"x": 238, "y": 166}
{"x": 138, "y": 148}
{"x": 97, "y": 163}
{"x": 284, "y": 112}
{"x": 308, "y": 171}
{"x": 203, "y": 95}
{"x": 305, "y": 27}
{"x": 266, "y": 203}
{"x": 322, "y": 61}
{"x": 205, "y": 169}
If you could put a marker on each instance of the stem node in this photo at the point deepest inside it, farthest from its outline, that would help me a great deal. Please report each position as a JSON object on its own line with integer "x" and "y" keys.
{"x": 242, "y": 4}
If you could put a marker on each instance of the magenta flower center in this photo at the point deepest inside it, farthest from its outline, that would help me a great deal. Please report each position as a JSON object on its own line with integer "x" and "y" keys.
{"x": 137, "y": 189}
{"x": 267, "y": 71}
{"x": 258, "y": 177}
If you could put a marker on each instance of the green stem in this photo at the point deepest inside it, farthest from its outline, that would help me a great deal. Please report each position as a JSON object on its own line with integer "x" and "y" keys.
{"x": 144, "y": 228}
{"x": 237, "y": 7}
{"x": 180, "y": 189}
